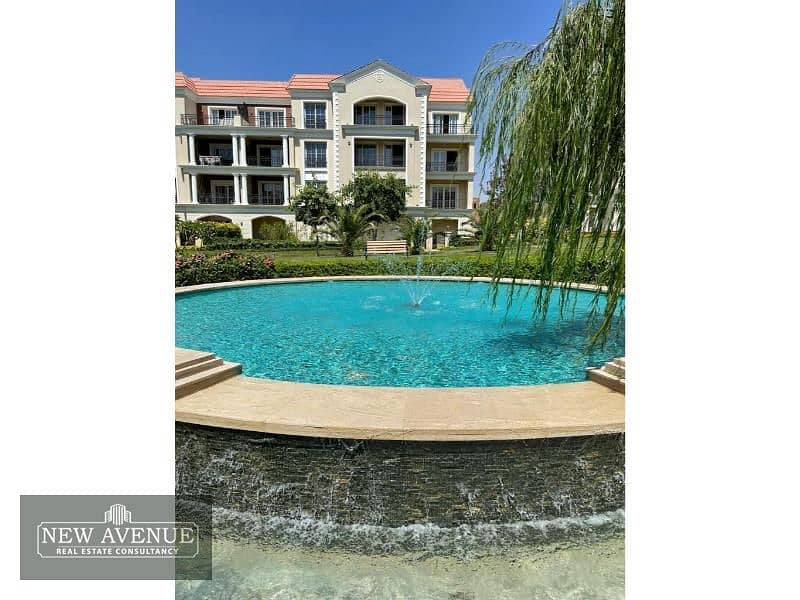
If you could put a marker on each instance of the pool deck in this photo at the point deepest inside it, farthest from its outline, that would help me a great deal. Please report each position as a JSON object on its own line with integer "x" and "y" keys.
{"x": 421, "y": 414}
{"x": 392, "y": 413}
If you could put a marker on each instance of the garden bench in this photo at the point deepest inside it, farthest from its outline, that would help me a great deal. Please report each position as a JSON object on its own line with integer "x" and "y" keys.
{"x": 386, "y": 247}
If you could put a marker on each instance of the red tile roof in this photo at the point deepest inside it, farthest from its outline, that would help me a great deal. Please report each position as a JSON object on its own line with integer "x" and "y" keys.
{"x": 232, "y": 88}
{"x": 451, "y": 89}
{"x": 442, "y": 89}
{"x": 310, "y": 82}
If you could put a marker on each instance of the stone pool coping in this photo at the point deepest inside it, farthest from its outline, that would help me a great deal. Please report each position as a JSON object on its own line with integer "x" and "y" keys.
{"x": 419, "y": 414}
{"x": 396, "y": 413}
{"x": 588, "y": 287}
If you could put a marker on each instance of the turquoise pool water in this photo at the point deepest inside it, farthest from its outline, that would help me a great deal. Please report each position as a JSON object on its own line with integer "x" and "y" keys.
{"x": 371, "y": 333}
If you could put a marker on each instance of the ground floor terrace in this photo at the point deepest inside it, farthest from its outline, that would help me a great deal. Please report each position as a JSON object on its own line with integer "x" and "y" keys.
{"x": 252, "y": 217}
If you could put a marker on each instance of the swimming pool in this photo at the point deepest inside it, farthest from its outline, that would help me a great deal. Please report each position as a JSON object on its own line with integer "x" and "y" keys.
{"x": 376, "y": 333}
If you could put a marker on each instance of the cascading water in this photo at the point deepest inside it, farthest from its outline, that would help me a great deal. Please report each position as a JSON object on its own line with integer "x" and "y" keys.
{"x": 431, "y": 514}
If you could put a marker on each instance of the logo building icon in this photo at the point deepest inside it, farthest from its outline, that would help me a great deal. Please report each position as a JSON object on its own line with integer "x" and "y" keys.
{"x": 118, "y": 514}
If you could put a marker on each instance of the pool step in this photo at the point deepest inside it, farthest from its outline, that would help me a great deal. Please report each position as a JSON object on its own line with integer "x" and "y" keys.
{"x": 186, "y": 358}
{"x": 209, "y": 363}
{"x": 611, "y": 374}
{"x": 198, "y": 370}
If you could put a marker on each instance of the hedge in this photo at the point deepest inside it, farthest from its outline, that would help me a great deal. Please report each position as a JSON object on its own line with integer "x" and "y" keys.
{"x": 200, "y": 268}
{"x": 253, "y": 244}
{"x": 206, "y": 230}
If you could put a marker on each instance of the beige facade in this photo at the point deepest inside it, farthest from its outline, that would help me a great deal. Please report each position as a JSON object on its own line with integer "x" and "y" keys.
{"x": 243, "y": 149}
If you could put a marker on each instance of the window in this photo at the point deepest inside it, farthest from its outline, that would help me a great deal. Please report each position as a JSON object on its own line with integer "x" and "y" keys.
{"x": 223, "y": 151}
{"x": 269, "y": 156}
{"x": 270, "y": 192}
{"x": 316, "y": 155}
{"x": 393, "y": 155}
{"x": 364, "y": 114}
{"x": 443, "y": 196}
{"x": 366, "y": 155}
{"x": 314, "y": 113}
{"x": 445, "y": 123}
{"x": 219, "y": 115}
{"x": 394, "y": 114}
{"x": 222, "y": 192}
{"x": 270, "y": 117}
{"x": 444, "y": 160}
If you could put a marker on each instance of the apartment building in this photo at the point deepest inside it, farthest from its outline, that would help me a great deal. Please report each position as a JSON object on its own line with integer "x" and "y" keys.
{"x": 245, "y": 147}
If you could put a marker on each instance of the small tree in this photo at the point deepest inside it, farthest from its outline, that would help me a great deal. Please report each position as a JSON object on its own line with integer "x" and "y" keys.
{"x": 349, "y": 224}
{"x": 383, "y": 195}
{"x": 484, "y": 223}
{"x": 313, "y": 205}
{"x": 414, "y": 232}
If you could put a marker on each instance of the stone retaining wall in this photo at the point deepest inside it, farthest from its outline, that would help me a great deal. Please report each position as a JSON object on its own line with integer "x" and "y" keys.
{"x": 401, "y": 483}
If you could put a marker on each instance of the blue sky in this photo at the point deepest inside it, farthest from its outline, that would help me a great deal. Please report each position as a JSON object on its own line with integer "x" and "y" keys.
{"x": 252, "y": 39}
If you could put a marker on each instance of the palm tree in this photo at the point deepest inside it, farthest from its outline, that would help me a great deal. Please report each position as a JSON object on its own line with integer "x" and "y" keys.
{"x": 414, "y": 231}
{"x": 349, "y": 224}
{"x": 551, "y": 118}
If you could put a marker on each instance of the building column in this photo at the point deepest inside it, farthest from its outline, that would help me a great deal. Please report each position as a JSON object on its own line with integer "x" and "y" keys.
{"x": 191, "y": 150}
{"x": 285, "y": 190}
{"x": 244, "y": 189}
{"x": 235, "y": 144}
{"x": 237, "y": 196}
{"x": 285, "y": 141}
{"x": 194, "y": 188}
{"x": 243, "y": 152}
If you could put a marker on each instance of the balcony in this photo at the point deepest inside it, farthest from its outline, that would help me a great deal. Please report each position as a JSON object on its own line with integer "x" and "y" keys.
{"x": 212, "y": 198}
{"x": 261, "y": 121}
{"x": 381, "y": 163}
{"x": 444, "y": 166}
{"x": 449, "y": 129}
{"x": 273, "y": 121}
{"x": 449, "y": 170}
{"x": 265, "y": 160}
{"x": 266, "y": 199}
{"x": 369, "y": 120}
{"x": 449, "y": 203}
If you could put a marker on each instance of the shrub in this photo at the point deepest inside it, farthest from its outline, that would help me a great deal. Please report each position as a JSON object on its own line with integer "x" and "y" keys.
{"x": 277, "y": 231}
{"x": 228, "y": 266}
{"x": 206, "y": 230}
{"x": 458, "y": 240}
{"x": 253, "y": 244}
{"x": 197, "y": 268}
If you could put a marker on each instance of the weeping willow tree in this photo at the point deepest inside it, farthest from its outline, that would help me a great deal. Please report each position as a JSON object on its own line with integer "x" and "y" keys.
{"x": 551, "y": 119}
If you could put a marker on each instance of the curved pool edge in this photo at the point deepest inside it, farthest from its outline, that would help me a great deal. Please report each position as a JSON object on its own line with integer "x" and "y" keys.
{"x": 588, "y": 287}
{"x": 289, "y": 408}
{"x": 406, "y": 414}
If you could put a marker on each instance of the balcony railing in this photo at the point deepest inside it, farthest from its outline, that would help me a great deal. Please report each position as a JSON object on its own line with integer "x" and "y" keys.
{"x": 264, "y": 121}
{"x": 265, "y": 161}
{"x": 449, "y": 129}
{"x": 215, "y": 161}
{"x": 273, "y": 121}
{"x": 442, "y": 203}
{"x": 275, "y": 199}
{"x": 215, "y": 198}
{"x": 443, "y": 166}
{"x": 376, "y": 120}
{"x": 381, "y": 162}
